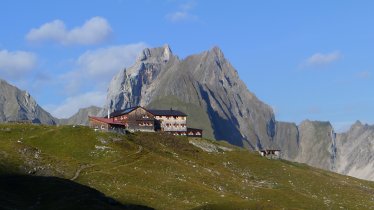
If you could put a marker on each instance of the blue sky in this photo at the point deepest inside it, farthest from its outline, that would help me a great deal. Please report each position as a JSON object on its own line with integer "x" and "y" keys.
{"x": 307, "y": 59}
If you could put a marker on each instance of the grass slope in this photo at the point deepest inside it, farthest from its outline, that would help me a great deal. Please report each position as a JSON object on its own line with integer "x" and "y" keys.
{"x": 167, "y": 172}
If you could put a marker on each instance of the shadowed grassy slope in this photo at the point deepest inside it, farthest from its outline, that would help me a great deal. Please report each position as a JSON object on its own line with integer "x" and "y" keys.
{"x": 34, "y": 192}
{"x": 167, "y": 172}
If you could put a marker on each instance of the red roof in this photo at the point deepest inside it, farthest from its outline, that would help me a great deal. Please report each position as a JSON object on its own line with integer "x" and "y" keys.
{"x": 108, "y": 121}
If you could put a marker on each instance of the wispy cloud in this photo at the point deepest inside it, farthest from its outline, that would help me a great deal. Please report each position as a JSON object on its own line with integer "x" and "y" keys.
{"x": 314, "y": 110}
{"x": 184, "y": 13}
{"x": 15, "y": 64}
{"x": 93, "y": 31}
{"x": 363, "y": 75}
{"x": 99, "y": 66}
{"x": 322, "y": 59}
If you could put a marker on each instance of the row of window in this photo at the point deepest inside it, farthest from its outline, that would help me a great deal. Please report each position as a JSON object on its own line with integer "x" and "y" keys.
{"x": 145, "y": 124}
{"x": 175, "y": 125}
{"x": 124, "y": 117}
{"x": 190, "y": 134}
{"x": 171, "y": 117}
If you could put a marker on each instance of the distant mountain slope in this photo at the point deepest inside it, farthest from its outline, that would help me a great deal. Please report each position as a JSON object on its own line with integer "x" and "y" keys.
{"x": 164, "y": 172}
{"x": 81, "y": 117}
{"x": 16, "y": 105}
{"x": 205, "y": 86}
{"x": 316, "y": 144}
{"x": 356, "y": 151}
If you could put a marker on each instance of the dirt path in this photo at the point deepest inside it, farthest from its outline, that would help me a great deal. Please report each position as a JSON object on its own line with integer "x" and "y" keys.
{"x": 139, "y": 150}
{"x": 79, "y": 170}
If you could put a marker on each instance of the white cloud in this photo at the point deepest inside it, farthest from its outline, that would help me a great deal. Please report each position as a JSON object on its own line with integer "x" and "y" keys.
{"x": 93, "y": 31}
{"x": 71, "y": 105}
{"x": 183, "y": 14}
{"x": 320, "y": 59}
{"x": 16, "y": 64}
{"x": 180, "y": 16}
{"x": 99, "y": 66}
{"x": 107, "y": 61}
{"x": 87, "y": 84}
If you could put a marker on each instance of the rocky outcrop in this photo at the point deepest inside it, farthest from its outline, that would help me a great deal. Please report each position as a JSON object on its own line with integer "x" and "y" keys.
{"x": 317, "y": 145}
{"x": 17, "y": 105}
{"x": 287, "y": 140}
{"x": 81, "y": 117}
{"x": 356, "y": 151}
{"x": 205, "y": 86}
{"x": 312, "y": 142}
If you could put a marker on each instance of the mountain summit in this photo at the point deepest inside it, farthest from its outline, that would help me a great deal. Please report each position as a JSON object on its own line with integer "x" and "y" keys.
{"x": 205, "y": 86}
{"x": 16, "y": 105}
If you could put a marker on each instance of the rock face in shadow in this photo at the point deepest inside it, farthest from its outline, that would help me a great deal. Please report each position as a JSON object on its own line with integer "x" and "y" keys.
{"x": 32, "y": 192}
{"x": 208, "y": 83}
{"x": 81, "y": 117}
{"x": 287, "y": 140}
{"x": 17, "y": 105}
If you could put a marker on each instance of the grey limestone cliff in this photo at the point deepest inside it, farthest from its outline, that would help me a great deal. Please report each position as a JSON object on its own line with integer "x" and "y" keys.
{"x": 315, "y": 143}
{"x": 205, "y": 86}
{"x": 287, "y": 140}
{"x": 356, "y": 151}
{"x": 17, "y": 105}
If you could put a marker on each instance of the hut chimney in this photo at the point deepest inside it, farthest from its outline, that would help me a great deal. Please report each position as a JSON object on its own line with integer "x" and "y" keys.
{"x": 108, "y": 114}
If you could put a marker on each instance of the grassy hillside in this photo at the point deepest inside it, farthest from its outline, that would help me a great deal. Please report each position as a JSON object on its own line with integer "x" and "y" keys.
{"x": 166, "y": 172}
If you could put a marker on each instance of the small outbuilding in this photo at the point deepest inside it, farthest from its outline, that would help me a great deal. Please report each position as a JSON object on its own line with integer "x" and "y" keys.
{"x": 270, "y": 153}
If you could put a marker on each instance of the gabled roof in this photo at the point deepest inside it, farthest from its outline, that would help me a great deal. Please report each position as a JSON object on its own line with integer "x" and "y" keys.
{"x": 122, "y": 112}
{"x": 107, "y": 121}
{"x": 127, "y": 111}
{"x": 169, "y": 112}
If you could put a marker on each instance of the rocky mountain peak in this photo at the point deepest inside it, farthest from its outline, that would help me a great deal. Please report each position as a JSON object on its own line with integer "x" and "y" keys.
{"x": 216, "y": 51}
{"x": 357, "y": 124}
{"x": 157, "y": 54}
{"x": 205, "y": 86}
{"x": 16, "y": 105}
